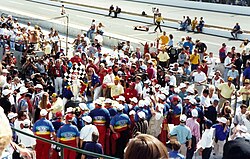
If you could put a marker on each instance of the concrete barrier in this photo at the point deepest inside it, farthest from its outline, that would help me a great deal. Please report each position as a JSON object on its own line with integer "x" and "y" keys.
{"x": 223, "y": 8}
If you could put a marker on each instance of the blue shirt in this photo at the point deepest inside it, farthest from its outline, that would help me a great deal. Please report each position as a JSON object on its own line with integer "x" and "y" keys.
{"x": 120, "y": 122}
{"x": 183, "y": 133}
{"x": 219, "y": 132}
{"x": 43, "y": 127}
{"x": 68, "y": 132}
{"x": 94, "y": 80}
{"x": 112, "y": 112}
{"x": 246, "y": 73}
{"x": 93, "y": 147}
{"x": 175, "y": 154}
{"x": 100, "y": 116}
{"x": 57, "y": 124}
{"x": 187, "y": 43}
{"x": 176, "y": 109}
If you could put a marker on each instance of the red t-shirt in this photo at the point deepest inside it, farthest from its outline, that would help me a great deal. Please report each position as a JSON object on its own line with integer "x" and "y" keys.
{"x": 128, "y": 93}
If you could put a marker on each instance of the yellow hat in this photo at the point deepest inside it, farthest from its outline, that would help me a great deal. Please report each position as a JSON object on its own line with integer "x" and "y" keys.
{"x": 247, "y": 81}
{"x": 230, "y": 78}
{"x": 117, "y": 78}
{"x": 54, "y": 95}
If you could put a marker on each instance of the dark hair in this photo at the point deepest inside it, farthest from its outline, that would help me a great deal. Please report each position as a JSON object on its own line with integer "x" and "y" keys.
{"x": 243, "y": 106}
{"x": 176, "y": 145}
{"x": 145, "y": 146}
{"x": 95, "y": 137}
{"x": 206, "y": 91}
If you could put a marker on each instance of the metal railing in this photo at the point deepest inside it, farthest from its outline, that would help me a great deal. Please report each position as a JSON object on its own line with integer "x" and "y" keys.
{"x": 63, "y": 146}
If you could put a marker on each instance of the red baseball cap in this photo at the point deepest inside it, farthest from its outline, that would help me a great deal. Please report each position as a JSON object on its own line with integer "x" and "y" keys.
{"x": 68, "y": 117}
{"x": 58, "y": 114}
{"x": 110, "y": 70}
{"x": 175, "y": 98}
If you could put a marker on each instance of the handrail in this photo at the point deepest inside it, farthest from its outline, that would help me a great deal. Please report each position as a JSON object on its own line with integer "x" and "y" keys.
{"x": 65, "y": 146}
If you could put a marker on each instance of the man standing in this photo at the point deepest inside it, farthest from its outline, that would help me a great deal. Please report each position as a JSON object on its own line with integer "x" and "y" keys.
{"x": 68, "y": 134}
{"x": 58, "y": 73}
{"x": 227, "y": 64}
{"x": 101, "y": 119}
{"x": 234, "y": 74}
{"x": 158, "y": 21}
{"x": 201, "y": 48}
{"x": 5, "y": 102}
{"x": 200, "y": 79}
{"x": 43, "y": 128}
{"x": 195, "y": 130}
{"x": 194, "y": 60}
{"x": 91, "y": 30}
{"x": 238, "y": 120}
{"x": 225, "y": 92}
{"x": 120, "y": 125}
{"x": 183, "y": 135}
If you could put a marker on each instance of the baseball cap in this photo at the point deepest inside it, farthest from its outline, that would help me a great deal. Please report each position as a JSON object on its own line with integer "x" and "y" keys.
{"x": 141, "y": 115}
{"x": 39, "y": 86}
{"x": 183, "y": 118}
{"x": 26, "y": 122}
{"x": 162, "y": 96}
{"x": 242, "y": 128}
{"x": 222, "y": 120}
{"x": 182, "y": 85}
{"x": 5, "y": 71}
{"x": 83, "y": 106}
{"x": 134, "y": 99}
{"x": 194, "y": 113}
{"x": 120, "y": 107}
{"x": 43, "y": 112}
{"x": 175, "y": 98}
{"x": 132, "y": 112}
{"x": 69, "y": 110}
{"x": 54, "y": 95}
{"x": 108, "y": 100}
{"x": 141, "y": 103}
{"x": 6, "y": 92}
{"x": 193, "y": 101}
{"x": 87, "y": 119}
{"x": 98, "y": 102}
{"x": 120, "y": 98}
{"x": 58, "y": 114}
{"x": 68, "y": 117}
{"x": 12, "y": 115}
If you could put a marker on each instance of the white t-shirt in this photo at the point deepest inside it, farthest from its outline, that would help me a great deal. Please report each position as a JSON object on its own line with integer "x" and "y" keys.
{"x": 205, "y": 101}
{"x": 199, "y": 77}
{"x": 227, "y": 61}
{"x": 26, "y": 140}
{"x": 86, "y": 132}
{"x": 138, "y": 87}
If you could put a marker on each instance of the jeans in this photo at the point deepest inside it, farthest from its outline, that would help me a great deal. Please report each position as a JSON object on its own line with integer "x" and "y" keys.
{"x": 58, "y": 85}
{"x": 90, "y": 34}
{"x": 206, "y": 153}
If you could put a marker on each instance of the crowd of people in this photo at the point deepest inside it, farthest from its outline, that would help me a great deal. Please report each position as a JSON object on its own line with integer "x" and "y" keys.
{"x": 165, "y": 108}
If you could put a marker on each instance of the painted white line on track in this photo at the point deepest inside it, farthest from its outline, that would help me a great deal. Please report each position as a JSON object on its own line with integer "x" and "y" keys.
{"x": 17, "y": 3}
{"x": 50, "y": 10}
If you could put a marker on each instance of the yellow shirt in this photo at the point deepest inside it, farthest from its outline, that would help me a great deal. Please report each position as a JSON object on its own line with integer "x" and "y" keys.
{"x": 116, "y": 90}
{"x": 159, "y": 19}
{"x": 163, "y": 57}
{"x": 164, "y": 39}
{"x": 226, "y": 91}
{"x": 194, "y": 59}
{"x": 245, "y": 90}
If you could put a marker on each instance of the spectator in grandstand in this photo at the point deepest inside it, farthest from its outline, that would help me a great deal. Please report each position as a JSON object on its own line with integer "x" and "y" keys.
{"x": 236, "y": 30}
{"x": 200, "y": 25}
{"x": 194, "y": 23}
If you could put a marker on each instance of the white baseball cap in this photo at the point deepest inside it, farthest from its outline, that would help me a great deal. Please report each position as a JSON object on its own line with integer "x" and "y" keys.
{"x": 6, "y": 92}
{"x": 43, "y": 112}
{"x": 222, "y": 120}
{"x": 183, "y": 118}
{"x": 141, "y": 115}
{"x": 121, "y": 98}
{"x": 182, "y": 85}
{"x": 141, "y": 103}
{"x": 12, "y": 115}
{"x": 134, "y": 99}
{"x": 194, "y": 113}
{"x": 120, "y": 107}
{"x": 23, "y": 90}
{"x": 39, "y": 86}
{"x": 98, "y": 101}
{"x": 162, "y": 96}
{"x": 108, "y": 100}
{"x": 83, "y": 106}
{"x": 132, "y": 112}
{"x": 26, "y": 122}
{"x": 192, "y": 101}
{"x": 69, "y": 110}
{"x": 5, "y": 71}
{"x": 87, "y": 119}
